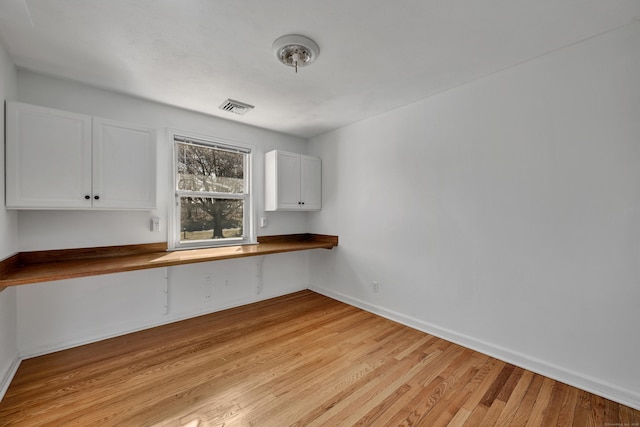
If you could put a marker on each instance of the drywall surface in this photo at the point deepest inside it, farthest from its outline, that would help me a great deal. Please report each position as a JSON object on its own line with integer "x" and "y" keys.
{"x": 8, "y": 219}
{"x": 8, "y": 240}
{"x": 9, "y": 360}
{"x": 503, "y": 214}
{"x": 67, "y": 229}
{"x": 67, "y": 313}
{"x": 63, "y": 314}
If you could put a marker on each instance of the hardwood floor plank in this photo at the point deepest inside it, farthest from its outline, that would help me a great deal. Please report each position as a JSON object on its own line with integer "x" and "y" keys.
{"x": 445, "y": 408}
{"x": 497, "y": 385}
{"x": 629, "y": 414}
{"x": 526, "y": 405}
{"x": 371, "y": 394}
{"x": 555, "y": 404}
{"x": 491, "y": 416}
{"x": 482, "y": 382}
{"x": 421, "y": 401}
{"x": 301, "y": 359}
{"x": 596, "y": 417}
{"x": 471, "y": 410}
{"x": 428, "y": 350}
{"x": 515, "y": 398}
{"x": 454, "y": 411}
{"x": 413, "y": 347}
{"x": 541, "y": 404}
{"x": 374, "y": 413}
{"x": 476, "y": 416}
{"x": 568, "y": 408}
{"x": 459, "y": 418}
{"x": 611, "y": 413}
{"x": 510, "y": 384}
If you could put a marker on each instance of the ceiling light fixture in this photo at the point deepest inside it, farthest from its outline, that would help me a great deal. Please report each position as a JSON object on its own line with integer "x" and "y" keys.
{"x": 295, "y": 50}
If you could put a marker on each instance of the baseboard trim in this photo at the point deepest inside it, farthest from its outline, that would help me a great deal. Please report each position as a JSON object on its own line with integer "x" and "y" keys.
{"x": 8, "y": 376}
{"x": 567, "y": 376}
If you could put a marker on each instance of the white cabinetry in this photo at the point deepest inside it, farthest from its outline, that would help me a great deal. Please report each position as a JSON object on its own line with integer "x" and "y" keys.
{"x": 48, "y": 158}
{"x": 61, "y": 160}
{"x": 124, "y": 165}
{"x": 293, "y": 182}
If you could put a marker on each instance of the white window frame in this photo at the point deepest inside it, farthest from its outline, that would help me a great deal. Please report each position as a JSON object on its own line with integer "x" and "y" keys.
{"x": 249, "y": 237}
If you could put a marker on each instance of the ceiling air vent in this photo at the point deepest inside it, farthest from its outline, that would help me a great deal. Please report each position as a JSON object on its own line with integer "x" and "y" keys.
{"x": 236, "y": 107}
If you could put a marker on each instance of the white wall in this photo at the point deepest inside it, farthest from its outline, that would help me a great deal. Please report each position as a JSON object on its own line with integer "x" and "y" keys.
{"x": 8, "y": 240}
{"x": 60, "y": 314}
{"x": 503, "y": 214}
{"x": 67, "y": 313}
{"x": 40, "y": 230}
{"x": 8, "y": 219}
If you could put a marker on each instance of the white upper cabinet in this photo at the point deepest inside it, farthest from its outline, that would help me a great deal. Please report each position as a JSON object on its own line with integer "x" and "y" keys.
{"x": 61, "y": 160}
{"x": 48, "y": 158}
{"x": 311, "y": 182}
{"x": 124, "y": 166}
{"x": 293, "y": 182}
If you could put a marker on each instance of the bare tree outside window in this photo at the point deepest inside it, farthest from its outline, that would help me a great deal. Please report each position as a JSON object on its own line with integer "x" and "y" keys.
{"x": 212, "y": 192}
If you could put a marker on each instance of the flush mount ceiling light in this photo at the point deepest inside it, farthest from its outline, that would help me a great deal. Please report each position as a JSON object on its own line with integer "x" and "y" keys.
{"x": 295, "y": 50}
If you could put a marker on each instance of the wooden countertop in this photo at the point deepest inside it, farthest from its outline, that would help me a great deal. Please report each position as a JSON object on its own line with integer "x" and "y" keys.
{"x": 45, "y": 266}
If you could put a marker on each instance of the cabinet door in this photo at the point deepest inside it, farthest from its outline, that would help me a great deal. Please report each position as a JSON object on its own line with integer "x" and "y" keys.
{"x": 48, "y": 158}
{"x": 311, "y": 182}
{"x": 288, "y": 176}
{"x": 124, "y": 166}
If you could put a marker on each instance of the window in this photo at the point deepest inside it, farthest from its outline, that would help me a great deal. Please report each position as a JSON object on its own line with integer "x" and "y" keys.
{"x": 212, "y": 203}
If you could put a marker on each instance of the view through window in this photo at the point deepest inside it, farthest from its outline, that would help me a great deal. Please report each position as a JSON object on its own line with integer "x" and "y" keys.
{"x": 212, "y": 194}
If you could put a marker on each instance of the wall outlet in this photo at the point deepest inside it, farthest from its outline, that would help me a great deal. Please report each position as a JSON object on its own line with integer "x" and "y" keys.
{"x": 264, "y": 222}
{"x": 374, "y": 286}
{"x": 155, "y": 223}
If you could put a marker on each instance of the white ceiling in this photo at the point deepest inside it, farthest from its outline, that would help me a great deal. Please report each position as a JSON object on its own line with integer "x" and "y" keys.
{"x": 375, "y": 55}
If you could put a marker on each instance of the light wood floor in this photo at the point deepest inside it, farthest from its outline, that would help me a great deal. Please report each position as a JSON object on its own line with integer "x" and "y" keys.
{"x": 303, "y": 360}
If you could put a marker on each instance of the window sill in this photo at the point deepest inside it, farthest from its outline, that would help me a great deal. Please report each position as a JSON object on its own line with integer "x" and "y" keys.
{"x": 44, "y": 266}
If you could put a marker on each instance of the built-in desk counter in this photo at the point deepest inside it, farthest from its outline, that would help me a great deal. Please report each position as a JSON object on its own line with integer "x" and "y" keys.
{"x": 45, "y": 266}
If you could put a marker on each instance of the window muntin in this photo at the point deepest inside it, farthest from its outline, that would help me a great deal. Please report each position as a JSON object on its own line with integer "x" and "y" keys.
{"x": 212, "y": 203}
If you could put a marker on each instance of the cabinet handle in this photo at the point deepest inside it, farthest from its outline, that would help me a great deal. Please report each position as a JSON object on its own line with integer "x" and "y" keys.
{"x": 303, "y": 203}
{"x": 96, "y": 197}
{"x": 87, "y": 197}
